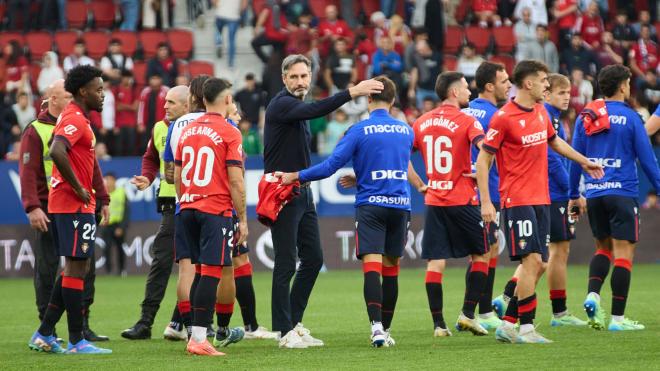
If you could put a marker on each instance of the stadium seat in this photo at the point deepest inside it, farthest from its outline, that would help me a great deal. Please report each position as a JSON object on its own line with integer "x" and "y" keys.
{"x": 150, "y": 40}
{"x": 103, "y": 13}
{"x": 200, "y": 67}
{"x": 370, "y": 6}
{"x": 139, "y": 73}
{"x": 508, "y": 61}
{"x": 39, "y": 43}
{"x": 76, "y": 14}
{"x": 6, "y": 37}
{"x": 453, "y": 39}
{"x": 96, "y": 43}
{"x": 181, "y": 42}
{"x": 450, "y": 63}
{"x": 505, "y": 39}
{"x": 480, "y": 37}
{"x": 128, "y": 41}
{"x": 64, "y": 41}
{"x": 35, "y": 69}
{"x": 258, "y": 6}
{"x": 318, "y": 7}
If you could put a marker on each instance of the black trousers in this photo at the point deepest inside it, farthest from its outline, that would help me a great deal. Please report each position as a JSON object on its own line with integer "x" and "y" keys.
{"x": 112, "y": 242}
{"x": 162, "y": 251}
{"x": 295, "y": 233}
{"x": 260, "y": 41}
{"x": 46, "y": 265}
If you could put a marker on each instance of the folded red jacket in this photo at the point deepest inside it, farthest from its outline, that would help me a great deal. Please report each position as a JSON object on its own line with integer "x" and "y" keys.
{"x": 595, "y": 118}
{"x": 273, "y": 196}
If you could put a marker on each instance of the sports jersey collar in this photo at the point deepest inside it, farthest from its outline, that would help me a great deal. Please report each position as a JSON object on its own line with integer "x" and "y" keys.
{"x": 484, "y": 101}
{"x": 552, "y": 110}
{"x": 215, "y": 114}
{"x": 73, "y": 103}
{"x": 522, "y": 108}
{"x": 448, "y": 107}
{"x": 379, "y": 112}
{"x": 617, "y": 102}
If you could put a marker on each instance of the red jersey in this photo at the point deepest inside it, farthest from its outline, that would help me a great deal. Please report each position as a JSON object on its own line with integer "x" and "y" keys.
{"x": 484, "y": 6}
{"x": 339, "y": 28}
{"x": 444, "y": 136}
{"x": 569, "y": 20}
{"x": 591, "y": 28}
{"x": 144, "y": 108}
{"x": 207, "y": 147}
{"x": 645, "y": 54}
{"x": 74, "y": 130}
{"x": 519, "y": 138}
{"x": 125, "y": 117}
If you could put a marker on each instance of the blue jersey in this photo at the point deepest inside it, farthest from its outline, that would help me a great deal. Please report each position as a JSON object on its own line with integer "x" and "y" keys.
{"x": 657, "y": 111}
{"x": 483, "y": 110}
{"x": 379, "y": 148}
{"x": 617, "y": 150}
{"x": 557, "y": 164}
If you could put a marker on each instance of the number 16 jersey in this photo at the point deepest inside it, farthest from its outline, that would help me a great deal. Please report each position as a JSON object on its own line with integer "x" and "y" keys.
{"x": 444, "y": 136}
{"x": 206, "y": 148}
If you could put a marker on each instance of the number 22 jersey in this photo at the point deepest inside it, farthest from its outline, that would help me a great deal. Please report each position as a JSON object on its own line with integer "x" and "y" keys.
{"x": 206, "y": 148}
{"x": 444, "y": 137}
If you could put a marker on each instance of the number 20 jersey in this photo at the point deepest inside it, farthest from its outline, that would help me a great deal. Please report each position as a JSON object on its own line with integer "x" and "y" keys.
{"x": 444, "y": 136}
{"x": 206, "y": 148}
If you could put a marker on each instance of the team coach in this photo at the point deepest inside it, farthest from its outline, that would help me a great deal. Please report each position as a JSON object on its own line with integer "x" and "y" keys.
{"x": 287, "y": 140}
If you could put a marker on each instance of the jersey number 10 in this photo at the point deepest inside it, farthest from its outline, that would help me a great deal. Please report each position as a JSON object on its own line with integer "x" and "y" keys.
{"x": 436, "y": 159}
{"x": 203, "y": 173}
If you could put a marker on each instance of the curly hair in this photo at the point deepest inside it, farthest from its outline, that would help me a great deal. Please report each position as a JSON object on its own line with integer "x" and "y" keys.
{"x": 80, "y": 76}
{"x": 197, "y": 89}
{"x": 611, "y": 77}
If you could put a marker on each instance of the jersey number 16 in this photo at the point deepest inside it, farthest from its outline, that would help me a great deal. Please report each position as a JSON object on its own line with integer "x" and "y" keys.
{"x": 436, "y": 159}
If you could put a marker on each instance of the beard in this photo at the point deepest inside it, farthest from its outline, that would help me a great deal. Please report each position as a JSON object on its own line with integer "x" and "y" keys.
{"x": 299, "y": 93}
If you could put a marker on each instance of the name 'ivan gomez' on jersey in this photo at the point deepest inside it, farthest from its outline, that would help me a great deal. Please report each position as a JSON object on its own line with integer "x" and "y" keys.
{"x": 379, "y": 148}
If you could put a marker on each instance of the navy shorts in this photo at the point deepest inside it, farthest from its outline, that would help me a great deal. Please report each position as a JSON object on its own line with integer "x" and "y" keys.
{"x": 562, "y": 225}
{"x": 238, "y": 250}
{"x": 614, "y": 216}
{"x": 74, "y": 234}
{"x": 181, "y": 248}
{"x": 454, "y": 232}
{"x": 493, "y": 227}
{"x": 380, "y": 230}
{"x": 527, "y": 230}
{"x": 209, "y": 237}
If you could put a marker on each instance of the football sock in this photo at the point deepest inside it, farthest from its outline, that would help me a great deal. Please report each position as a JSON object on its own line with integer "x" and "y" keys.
{"x": 558, "y": 299}
{"x": 373, "y": 290}
{"x": 475, "y": 286}
{"x": 620, "y": 282}
{"x": 245, "y": 296}
{"x": 486, "y": 298}
{"x": 390, "y": 294}
{"x": 511, "y": 314}
{"x": 176, "y": 315}
{"x": 54, "y": 310}
{"x": 72, "y": 289}
{"x": 224, "y": 313}
{"x": 186, "y": 314}
{"x": 510, "y": 287}
{"x": 527, "y": 310}
{"x": 434, "y": 293}
{"x": 598, "y": 269}
{"x": 204, "y": 297}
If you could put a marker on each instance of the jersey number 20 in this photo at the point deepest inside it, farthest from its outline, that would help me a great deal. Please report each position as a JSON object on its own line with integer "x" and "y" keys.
{"x": 436, "y": 158}
{"x": 203, "y": 166}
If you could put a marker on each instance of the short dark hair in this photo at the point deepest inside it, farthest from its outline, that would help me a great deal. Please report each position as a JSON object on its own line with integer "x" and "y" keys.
{"x": 80, "y": 76}
{"x": 526, "y": 68}
{"x": 126, "y": 73}
{"x": 611, "y": 77}
{"x": 444, "y": 81}
{"x": 79, "y": 41}
{"x": 197, "y": 88}
{"x": 486, "y": 74}
{"x": 249, "y": 76}
{"x": 389, "y": 90}
{"x": 163, "y": 44}
{"x": 213, "y": 87}
{"x": 110, "y": 174}
{"x": 115, "y": 41}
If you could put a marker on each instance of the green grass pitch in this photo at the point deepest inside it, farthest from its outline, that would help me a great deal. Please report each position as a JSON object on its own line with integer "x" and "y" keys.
{"x": 336, "y": 314}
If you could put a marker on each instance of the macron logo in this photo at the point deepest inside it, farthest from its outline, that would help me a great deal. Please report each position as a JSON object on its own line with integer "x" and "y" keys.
{"x": 373, "y": 129}
{"x": 70, "y": 129}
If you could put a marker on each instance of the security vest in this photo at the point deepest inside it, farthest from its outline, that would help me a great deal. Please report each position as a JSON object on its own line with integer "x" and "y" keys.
{"x": 117, "y": 205}
{"x": 45, "y": 132}
{"x": 159, "y": 138}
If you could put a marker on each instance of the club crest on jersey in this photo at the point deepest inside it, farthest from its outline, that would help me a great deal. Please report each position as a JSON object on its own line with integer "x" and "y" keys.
{"x": 70, "y": 129}
{"x": 561, "y": 210}
{"x": 510, "y": 223}
{"x": 26, "y": 158}
{"x": 84, "y": 247}
{"x": 75, "y": 224}
{"x": 522, "y": 244}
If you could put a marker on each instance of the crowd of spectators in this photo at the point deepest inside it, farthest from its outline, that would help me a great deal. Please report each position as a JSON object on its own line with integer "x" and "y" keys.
{"x": 404, "y": 40}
